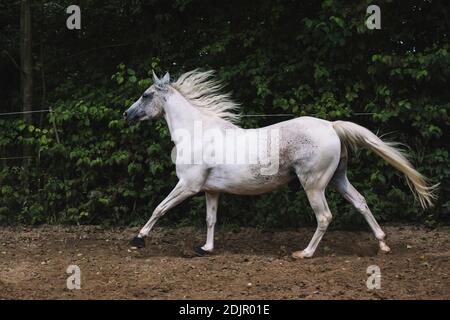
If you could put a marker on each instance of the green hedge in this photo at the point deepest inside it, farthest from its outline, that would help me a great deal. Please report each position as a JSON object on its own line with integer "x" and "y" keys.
{"x": 283, "y": 57}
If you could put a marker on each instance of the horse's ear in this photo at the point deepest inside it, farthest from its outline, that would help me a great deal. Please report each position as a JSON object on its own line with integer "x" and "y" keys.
{"x": 155, "y": 78}
{"x": 166, "y": 78}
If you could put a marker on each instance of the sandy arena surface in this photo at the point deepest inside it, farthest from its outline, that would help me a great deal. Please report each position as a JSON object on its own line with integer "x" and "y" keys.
{"x": 249, "y": 264}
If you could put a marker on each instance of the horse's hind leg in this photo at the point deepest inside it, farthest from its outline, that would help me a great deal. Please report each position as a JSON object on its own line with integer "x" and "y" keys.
{"x": 314, "y": 183}
{"x": 344, "y": 187}
{"x": 319, "y": 204}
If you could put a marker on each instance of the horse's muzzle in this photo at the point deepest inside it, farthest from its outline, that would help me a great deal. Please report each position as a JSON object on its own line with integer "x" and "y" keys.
{"x": 130, "y": 117}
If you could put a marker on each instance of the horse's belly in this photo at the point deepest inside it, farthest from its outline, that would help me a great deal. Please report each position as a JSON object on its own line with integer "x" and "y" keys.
{"x": 245, "y": 180}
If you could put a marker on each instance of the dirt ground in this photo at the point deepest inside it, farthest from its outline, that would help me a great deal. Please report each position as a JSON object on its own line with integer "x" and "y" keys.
{"x": 249, "y": 264}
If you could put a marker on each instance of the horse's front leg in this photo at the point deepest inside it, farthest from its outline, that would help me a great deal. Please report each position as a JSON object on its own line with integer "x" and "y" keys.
{"x": 181, "y": 192}
{"x": 212, "y": 201}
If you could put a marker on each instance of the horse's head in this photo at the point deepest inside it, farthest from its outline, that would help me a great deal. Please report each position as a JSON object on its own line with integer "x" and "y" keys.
{"x": 150, "y": 104}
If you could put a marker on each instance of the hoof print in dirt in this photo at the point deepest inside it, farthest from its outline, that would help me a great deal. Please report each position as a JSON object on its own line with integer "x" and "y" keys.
{"x": 200, "y": 252}
{"x": 138, "y": 242}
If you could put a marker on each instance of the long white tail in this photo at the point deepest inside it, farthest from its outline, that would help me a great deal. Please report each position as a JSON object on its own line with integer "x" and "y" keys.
{"x": 354, "y": 135}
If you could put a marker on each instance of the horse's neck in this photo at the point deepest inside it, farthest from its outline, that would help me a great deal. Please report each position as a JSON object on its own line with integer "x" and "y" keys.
{"x": 181, "y": 115}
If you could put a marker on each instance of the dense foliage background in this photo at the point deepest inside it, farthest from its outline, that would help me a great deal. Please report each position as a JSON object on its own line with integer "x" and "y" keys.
{"x": 295, "y": 57}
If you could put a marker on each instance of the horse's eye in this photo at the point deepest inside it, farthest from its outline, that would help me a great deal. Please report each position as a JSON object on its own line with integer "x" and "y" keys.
{"x": 147, "y": 95}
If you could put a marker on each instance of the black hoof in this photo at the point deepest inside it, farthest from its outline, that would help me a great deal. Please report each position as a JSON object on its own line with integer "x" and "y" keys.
{"x": 138, "y": 242}
{"x": 200, "y": 252}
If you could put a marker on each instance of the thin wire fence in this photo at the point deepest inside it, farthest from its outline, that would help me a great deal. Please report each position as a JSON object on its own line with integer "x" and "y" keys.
{"x": 24, "y": 112}
{"x": 18, "y": 158}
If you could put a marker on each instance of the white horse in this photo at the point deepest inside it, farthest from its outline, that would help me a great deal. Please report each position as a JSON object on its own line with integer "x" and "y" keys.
{"x": 310, "y": 149}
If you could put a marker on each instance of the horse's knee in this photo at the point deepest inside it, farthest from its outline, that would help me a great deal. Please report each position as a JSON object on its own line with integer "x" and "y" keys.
{"x": 361, "y": 205}
{"x": 324, "y": 220}
{"x": 210, "y": 221}
{"x": 158, "y": 213}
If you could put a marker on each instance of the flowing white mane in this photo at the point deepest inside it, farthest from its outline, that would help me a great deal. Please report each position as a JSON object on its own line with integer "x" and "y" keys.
{"x": 204, "y": 92}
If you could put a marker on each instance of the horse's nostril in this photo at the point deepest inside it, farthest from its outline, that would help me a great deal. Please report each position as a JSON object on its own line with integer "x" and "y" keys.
{"x": 125, "y": 114}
